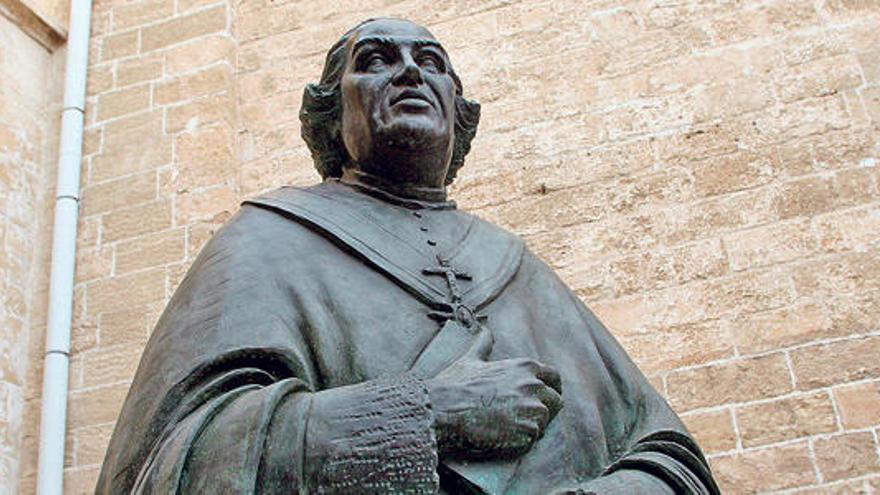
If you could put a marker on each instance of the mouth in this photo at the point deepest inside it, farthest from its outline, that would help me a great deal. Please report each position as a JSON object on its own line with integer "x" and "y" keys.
{"x": 411, "y": 98}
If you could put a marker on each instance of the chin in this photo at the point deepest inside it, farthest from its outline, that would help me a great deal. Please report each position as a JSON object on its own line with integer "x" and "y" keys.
{"x": 411, "y": 134}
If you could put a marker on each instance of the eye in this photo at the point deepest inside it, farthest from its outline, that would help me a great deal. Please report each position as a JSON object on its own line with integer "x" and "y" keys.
{"x": 431, "y": 62}
{"x": 376, "y": 61}
{"x": 372, "y": 61}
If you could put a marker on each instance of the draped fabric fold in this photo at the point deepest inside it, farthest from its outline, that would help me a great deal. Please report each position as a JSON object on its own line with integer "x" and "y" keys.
{"x": 672, "y": 457}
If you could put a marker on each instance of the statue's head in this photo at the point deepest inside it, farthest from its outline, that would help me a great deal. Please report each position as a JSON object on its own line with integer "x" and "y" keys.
{"x": 390, "y": 104}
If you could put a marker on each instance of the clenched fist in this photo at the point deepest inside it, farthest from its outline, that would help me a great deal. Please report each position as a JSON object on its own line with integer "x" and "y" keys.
{"x": 492, "y": 408}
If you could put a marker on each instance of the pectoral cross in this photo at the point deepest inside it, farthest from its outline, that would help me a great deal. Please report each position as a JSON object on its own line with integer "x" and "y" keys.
{"x": 460, "y": 312}
{"x": 451, "y": 274}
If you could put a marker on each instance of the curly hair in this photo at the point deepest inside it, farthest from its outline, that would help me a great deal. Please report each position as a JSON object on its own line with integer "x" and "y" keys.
{"x": 321, "y": 116}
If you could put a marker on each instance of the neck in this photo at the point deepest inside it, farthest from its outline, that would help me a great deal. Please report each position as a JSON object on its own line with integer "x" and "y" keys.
{"x": 404, "y": 194}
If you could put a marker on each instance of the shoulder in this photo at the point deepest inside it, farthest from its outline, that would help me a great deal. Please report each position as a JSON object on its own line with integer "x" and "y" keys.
{"x": 256, "y": 233}
{"x": 250, "y": 228}
{"x": 491, "y": 232}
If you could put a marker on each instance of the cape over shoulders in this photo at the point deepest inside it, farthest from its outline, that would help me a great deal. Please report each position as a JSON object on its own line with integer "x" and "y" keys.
{"x": 369, "y": 229}
{"x": 293, "y": 199}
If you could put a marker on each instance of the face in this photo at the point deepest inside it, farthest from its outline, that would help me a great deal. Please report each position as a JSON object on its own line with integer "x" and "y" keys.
{"x": 398, "y": 102}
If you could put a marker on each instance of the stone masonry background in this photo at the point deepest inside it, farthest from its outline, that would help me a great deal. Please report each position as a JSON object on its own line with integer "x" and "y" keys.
{"x": 703, "y": 173}
{"x": 29, "y": 121}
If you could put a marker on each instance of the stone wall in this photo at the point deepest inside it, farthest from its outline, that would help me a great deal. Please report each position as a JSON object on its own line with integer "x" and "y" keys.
{"x": 29, "y": 111}
{"x": 703, "y": 174}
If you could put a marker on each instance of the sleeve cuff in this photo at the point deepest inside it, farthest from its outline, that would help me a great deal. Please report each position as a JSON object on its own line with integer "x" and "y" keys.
{"x": 374, "y": 437}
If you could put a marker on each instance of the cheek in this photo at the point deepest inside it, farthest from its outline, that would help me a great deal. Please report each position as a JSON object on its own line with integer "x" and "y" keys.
{"x": 445, "y": 89}
{"x": 352, "y": 99}
{"x": 358, "y": 94}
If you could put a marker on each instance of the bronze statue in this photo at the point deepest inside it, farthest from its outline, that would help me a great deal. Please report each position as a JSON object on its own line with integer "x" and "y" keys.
{"x": 365, "y": 336}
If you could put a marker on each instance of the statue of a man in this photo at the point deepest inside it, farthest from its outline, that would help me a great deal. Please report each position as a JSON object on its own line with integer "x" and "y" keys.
{"x": 365, "y": 336}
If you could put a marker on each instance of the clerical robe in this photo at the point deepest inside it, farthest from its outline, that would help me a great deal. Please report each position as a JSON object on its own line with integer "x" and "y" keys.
{"x": 288, "y": 362}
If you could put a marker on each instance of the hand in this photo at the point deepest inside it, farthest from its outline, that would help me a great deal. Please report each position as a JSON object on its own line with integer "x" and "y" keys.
{"x": 495, "y": 408}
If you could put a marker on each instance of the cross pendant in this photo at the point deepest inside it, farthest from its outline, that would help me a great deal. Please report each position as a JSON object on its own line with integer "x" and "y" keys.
{"x": 459, "y": 312}
{"x": 451, "y": 274}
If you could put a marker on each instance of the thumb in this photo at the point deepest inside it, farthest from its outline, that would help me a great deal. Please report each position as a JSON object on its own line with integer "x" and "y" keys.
{"x": 481, "y": 347}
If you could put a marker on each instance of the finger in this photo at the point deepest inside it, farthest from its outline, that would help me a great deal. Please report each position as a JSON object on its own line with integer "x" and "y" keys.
{"x": 552, "y": 400}
{"x": 543, "y": 372}
{"x": 550, "y": 376}
{"x": 538, "y": 412}
{"x": 481, "y": 347}
{"x": 528, "y": 432}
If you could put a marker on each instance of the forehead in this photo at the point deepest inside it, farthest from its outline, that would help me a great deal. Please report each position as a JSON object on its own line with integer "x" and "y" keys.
{"x": 393, "y": 31}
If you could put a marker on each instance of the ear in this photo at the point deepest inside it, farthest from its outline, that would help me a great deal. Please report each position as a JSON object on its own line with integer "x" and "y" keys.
{"x": 467, "y": 118}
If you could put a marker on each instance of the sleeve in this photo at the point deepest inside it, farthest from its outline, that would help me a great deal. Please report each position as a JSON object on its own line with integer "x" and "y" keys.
{"x": 227, "y": 397}
{"x": 670, "y": 456}
{"x": 374, "y": 437}
{"x": 666, "y": 463}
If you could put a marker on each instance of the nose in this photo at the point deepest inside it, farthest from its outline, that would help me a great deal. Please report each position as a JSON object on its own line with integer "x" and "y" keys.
{"x": 410, "y": 74}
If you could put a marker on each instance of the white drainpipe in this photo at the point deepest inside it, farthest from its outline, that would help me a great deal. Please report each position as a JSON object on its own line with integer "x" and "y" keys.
{"x": 57, "y": 357}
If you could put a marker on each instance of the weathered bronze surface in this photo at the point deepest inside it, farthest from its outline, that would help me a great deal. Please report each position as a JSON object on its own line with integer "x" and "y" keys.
{"x": 365, "y": 336}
